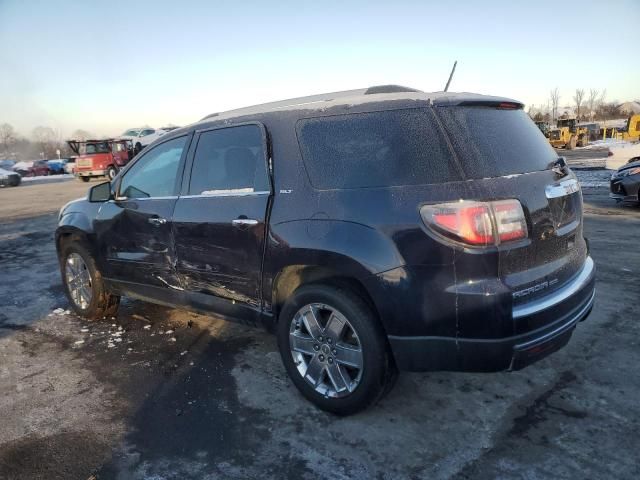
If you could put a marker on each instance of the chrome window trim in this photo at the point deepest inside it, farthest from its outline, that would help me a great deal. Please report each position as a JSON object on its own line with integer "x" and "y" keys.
{"x": 227, "y": 194}
{"x": 559, "y": 296}
{"x": 171, "y": 197}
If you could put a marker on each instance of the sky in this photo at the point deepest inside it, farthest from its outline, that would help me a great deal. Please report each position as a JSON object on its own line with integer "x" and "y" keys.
{"x": 105, "y": 66}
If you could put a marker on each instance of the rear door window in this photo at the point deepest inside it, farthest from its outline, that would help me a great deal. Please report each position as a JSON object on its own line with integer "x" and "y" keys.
{"x": 230, "y": 161}
{"x": 493, "y": 142}
{"x": 377, "y": 149}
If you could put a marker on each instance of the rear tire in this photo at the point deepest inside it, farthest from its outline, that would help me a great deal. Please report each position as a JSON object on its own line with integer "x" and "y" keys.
{"x": 85, "y": 179}
{"x": 336, "y": 384}
{"x": 77, "y": 266}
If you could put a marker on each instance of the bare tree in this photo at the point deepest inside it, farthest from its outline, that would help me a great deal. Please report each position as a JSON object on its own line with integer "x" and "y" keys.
{"x": 46, "y": 139}
{"x": 592, "y": 101}
{"x": 578, "y": 98}
{"x": 554, "y": 96}
{"x": 7, "y": 136}
{"x": 81, "y": 135}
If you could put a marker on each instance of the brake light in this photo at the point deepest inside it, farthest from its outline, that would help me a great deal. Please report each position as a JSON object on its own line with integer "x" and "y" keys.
{"x": 508, "y": 106}
{"x": 477, "y": 223}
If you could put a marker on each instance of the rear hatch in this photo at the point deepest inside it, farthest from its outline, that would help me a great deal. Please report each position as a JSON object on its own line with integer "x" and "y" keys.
{"x": 503, "y": 155}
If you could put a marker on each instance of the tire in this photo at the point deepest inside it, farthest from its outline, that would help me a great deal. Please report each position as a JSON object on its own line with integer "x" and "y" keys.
{"x": 111, "y": 172}
{"x": 137, "y": 148}
{"x": 361, "y": 387}
{"x": 571, "y": 144}
{"x": 74, "y": 255}
{"x": 15, "y": 180}
{"x": 85, "y": 179}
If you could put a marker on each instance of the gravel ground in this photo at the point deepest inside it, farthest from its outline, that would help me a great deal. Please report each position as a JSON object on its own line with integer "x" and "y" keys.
{"x": 157, "y": 393}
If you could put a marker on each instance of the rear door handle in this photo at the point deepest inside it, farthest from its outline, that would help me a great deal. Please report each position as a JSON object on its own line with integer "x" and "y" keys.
{"x": 157, "y": 221}
{"x": 244, "y": 221}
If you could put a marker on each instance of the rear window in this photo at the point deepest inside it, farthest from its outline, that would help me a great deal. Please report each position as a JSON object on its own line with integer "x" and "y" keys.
{"x": 408, "y": 147}
{"x": 490, "y": 142}
{"x": 378, "y": 149}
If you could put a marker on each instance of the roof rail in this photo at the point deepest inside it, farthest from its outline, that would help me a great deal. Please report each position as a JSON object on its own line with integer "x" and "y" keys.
{"x": 389, "y": 89}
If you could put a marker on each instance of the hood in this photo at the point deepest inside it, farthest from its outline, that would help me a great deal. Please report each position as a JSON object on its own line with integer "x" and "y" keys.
{"x": 631, "y": 164}
{"x": 6, "y": 173}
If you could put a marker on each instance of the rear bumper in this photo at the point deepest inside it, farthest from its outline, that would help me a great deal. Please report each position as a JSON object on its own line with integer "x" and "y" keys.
{"x": 90, "y": 173}
{"x": 573, "y": 302}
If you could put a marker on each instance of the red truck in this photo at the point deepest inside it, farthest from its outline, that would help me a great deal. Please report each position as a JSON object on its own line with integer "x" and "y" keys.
{"x": 100, "y": 158}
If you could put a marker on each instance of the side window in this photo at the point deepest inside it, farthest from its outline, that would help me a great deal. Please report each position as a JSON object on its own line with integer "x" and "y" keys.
{"x": 230, "y": 160}
{"x": 154, "y": 174}
{"x": 146, "y": 132}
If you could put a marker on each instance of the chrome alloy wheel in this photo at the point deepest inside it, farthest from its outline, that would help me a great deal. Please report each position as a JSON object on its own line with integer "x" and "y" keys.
{"x": 78, "y": 280}
{"x": 326, "y": 350}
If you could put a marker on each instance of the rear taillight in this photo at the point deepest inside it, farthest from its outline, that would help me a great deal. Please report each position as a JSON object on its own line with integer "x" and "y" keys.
{"x": 477, "y": 223}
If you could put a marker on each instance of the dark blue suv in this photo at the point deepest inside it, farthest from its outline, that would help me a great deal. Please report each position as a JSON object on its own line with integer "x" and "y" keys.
{"x": 373, "y": 230}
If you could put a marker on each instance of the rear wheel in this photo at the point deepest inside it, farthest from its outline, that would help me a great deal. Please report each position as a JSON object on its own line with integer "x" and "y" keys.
{"x": 137, "y": 148}
{"x": 85, "y": 179}
{"x": 83, "y": 283}
{"x": 334, "y": 349}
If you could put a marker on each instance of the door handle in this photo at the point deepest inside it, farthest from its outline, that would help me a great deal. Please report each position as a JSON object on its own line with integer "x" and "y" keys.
{"x": 244, "y": 222}
{"x": 157, "y": 221}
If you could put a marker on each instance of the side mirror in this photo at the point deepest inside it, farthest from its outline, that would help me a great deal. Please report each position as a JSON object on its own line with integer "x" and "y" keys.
{"x": 100, "y": 193}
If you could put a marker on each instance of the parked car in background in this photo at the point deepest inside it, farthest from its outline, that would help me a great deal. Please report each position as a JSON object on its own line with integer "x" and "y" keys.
{"x": 372, "y": 230}
{"x": 56, "y": 167}
{"x": 625, "y": 182}
{"x": 141, "y": 137}
{"x": 7, "y": 164}
{"x": 100, "y": 158}
{"x": 9, "y": 178}
{"x": 70, "y": 165}
{"x": 35, "y": 168}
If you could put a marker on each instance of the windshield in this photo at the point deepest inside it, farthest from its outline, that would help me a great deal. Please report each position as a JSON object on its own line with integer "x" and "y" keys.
{"x": 131, "y": 133}
{"x": 91, "y": 148}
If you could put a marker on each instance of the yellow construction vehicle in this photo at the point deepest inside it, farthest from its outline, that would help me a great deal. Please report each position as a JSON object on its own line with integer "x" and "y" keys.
{"x": 568, "y": 135}
{"x": 632, "y": 130}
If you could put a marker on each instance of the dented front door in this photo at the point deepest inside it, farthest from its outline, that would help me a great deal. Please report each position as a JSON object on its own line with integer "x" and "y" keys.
{"x": 134, "y": 231}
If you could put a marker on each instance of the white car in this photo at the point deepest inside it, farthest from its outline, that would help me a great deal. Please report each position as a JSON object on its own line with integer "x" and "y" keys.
{"x": 141, "y": 137}
{"x": 621, "y": 153}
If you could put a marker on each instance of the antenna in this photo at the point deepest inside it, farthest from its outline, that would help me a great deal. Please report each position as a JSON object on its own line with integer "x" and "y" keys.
{"x": 451, "y": 75}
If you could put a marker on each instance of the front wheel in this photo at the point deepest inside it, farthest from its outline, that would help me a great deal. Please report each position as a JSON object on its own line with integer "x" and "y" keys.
{"x": 111, "y": 172}
{"x": 334, "y": 349}
{"x": 85, "y": 179}
{"x": 83, "y": 283}
{"x": 137, "y": 148}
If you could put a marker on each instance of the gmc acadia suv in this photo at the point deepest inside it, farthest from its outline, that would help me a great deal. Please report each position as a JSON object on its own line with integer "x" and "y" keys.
{"x": 373, "y": 230}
